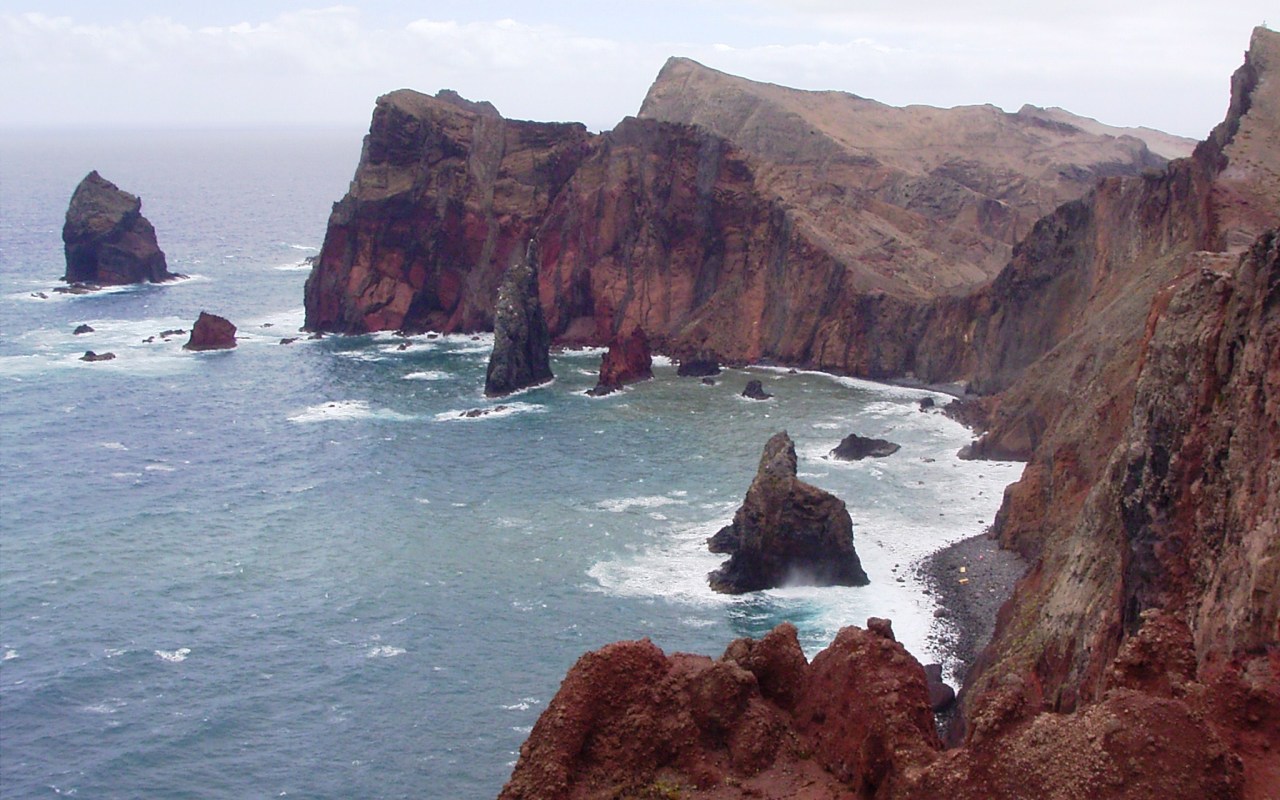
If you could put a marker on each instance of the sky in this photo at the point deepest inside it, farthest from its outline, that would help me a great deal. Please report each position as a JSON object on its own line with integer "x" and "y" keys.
{"x": 267, "y": 63}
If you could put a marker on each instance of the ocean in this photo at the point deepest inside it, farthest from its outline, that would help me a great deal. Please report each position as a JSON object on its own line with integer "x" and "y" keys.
{"x": 298, "y": 569}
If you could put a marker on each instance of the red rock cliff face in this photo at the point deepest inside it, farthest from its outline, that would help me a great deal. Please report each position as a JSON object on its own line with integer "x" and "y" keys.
{"x": 446, "y": 196}
{"x": 1095, "y": 506}
{"x": 819, "y": 254}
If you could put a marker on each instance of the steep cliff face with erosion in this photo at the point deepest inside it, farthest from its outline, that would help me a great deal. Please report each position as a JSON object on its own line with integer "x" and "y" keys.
{"x": 712, "y": 236}
{"x": 446, "y": 195}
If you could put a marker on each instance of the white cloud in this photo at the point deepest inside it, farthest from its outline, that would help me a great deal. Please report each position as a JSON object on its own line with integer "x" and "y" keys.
{"x": 1166, "y": 68}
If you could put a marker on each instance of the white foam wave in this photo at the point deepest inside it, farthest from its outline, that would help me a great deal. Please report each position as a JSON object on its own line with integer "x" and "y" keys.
{"x": 310, "y": 247}
{"x": 297, "y": 266}
{"x": 427, "y": 375}
{"x": 9, "y": 655}
{"x": 489, "y": 412}
{"x": 384, "y": 651}
{"x": 621, "y": 504}
{"x": 338, "y": 410}
{"x": 174, "y": 656}
{"x": 112, "y": 446}
{"x": 159, "y": 468}
{"x": 109, "y": 706}
{"x": 523, "y": 704}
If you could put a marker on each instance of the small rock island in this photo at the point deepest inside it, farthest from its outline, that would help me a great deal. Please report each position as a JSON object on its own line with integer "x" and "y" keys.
{"x": 107, "y": 240}
{"x": 787, "y": 532}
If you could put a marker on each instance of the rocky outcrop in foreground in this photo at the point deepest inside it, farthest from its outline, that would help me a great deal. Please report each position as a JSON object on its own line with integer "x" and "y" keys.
{"x": 211, "y": 332}
{"x": 107, "y": 240}
{"x": 631, "y": 721}
{"x": 627, "y": 360}
{"x": 521, "y": 355}
{"x": 787, "y": 532}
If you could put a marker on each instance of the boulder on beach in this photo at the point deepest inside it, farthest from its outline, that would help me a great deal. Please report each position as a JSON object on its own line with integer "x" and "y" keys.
{"x": 787, "y": 532}
{"x": 627, "y": 360}
{"x": 521, "y": 355}
{"x": 106, "y": 239}
{"x": 211, "y": 332}
{"x": 755, "y": 391}
{"x": 855, "y": 448}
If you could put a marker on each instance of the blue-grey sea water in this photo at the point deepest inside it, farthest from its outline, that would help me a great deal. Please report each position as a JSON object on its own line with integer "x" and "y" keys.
{"x": 297, "y": 571}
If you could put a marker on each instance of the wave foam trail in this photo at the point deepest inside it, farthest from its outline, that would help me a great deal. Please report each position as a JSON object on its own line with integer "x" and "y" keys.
{"x": 174, "y": 656}
{"x": 340, "y": 410}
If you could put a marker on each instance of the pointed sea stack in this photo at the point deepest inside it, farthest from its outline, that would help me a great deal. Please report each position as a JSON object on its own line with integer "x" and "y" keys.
{"x": 521, "y": 343}
{"x": 787, "y": 532}
{"x": 107, "y": 240}
{"x": 628, "y": 360}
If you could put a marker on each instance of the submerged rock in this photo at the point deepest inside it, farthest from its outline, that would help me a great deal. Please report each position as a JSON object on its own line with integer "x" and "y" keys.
{"x": 787, "y": 532}
{"x": 106, "y": 239}
{"x": 211, "y": 332}
{"x": 89, "y": 355}
{"x": 81, "y": 329}
{"x": 628, "y": 360}
{"x": 855, "y": 448}
{"x": 521, "y": 355}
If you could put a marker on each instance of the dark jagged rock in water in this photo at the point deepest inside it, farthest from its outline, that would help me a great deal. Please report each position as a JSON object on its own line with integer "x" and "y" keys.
{"x": 107, "y": 240}
{"x": 755, "y": 391}
{"x": 89, "y": 355}
{"x": 628, "y": 360}
{"x": 855, "y": 448}
{"x": 926, "y": 403}
{"x": 786, "y": 532}
{"x": 211, "y": 332}
{"x": 80, "y": 329}
{"x": 521, "y": 344}
{"x": 699, "y": 365}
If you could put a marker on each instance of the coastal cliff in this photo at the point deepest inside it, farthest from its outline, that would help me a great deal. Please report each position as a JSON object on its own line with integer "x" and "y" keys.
{"x": 1131, "y": 350}
{"x": 699, "y": 231}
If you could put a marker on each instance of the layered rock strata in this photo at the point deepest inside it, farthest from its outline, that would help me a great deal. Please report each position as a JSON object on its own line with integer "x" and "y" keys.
{"x": 521, "y": 355}
{"x": 786, "y": 532}
{"x": 106, "y": 239}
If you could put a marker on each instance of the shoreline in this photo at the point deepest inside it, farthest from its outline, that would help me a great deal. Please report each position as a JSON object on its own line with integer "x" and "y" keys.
{"x": 970, "y": 580}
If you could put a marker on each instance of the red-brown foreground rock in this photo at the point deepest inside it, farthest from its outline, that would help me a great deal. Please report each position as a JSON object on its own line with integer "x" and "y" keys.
{"x": 787, "y": 532}
{"x": 630, "y": 721}
{"x": 107, "y": 240}
{"x": 211, "y": 332}
{"x": 627, "y": 360}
